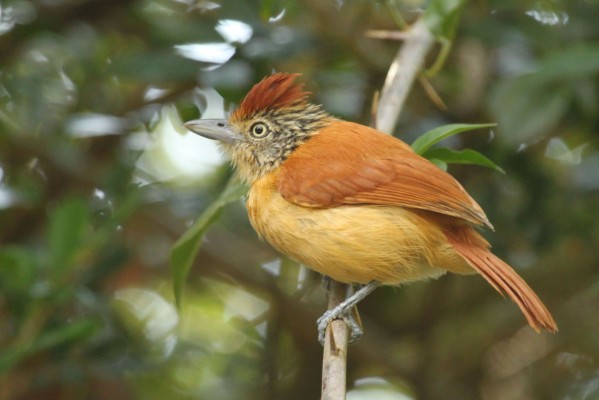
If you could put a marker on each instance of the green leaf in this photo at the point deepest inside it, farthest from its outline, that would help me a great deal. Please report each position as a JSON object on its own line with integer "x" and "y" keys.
{"x": 526, "y": 109}
{"x": 66, "y": 228}
{"x": 466, "y": 156}
{"x": 17, "y": 270}
{"x": 570, "y": 63}
{"x": 185, "y": 250}
{"x": 428, "y": 139}
{"x": 63, "y": 334}
{"x": 532, "y": 104}
{"x": 439, "y": 163}
{"x": 267, "y": 9}
{"x": 441, "y": 17}
{"x": 157, "y": 66}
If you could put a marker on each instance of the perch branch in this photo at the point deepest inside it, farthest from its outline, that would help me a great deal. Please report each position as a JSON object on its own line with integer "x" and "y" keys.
{"x": 403, "y": 71}
{"x": 334, "y": 359}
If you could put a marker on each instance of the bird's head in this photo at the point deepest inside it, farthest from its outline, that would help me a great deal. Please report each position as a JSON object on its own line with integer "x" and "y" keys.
{"x": 273, "y": 119}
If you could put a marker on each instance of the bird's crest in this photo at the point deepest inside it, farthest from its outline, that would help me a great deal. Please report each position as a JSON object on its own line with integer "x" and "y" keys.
{"x": 275, "y": 91}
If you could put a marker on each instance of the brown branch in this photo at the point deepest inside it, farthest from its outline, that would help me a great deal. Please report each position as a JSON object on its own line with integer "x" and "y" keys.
{"x": 387, "y": 35}
{"x": 334, "y": 361}
{"x": 401, "y": 75}
{"x": 403, "y": 71}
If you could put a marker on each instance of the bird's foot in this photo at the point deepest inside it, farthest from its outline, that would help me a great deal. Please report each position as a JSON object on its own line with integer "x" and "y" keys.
{"x": 350, "y": 317}
{"x": 345, "y": 311}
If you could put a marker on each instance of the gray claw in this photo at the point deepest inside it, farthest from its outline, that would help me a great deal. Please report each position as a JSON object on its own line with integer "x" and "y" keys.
{"x": 322, "y": 323}
{"x": 344, "y": 311}
{"x": 355, "y": 330}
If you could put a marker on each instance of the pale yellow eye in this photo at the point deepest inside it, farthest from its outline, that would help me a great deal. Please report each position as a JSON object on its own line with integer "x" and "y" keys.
{"x": 259, "y": 130}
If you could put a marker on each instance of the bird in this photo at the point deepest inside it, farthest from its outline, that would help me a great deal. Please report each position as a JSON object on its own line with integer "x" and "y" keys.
{"x": 355, "y": 204}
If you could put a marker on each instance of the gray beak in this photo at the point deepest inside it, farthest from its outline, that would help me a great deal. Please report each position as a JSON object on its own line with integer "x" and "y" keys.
{"x": 217, "y": 129}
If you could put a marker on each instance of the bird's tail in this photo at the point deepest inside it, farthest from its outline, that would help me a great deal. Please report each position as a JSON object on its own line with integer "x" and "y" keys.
{"x": 503, "y": 278}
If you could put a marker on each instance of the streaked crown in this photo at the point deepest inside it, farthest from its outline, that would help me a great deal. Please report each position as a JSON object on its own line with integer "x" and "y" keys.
{"x": 273, "y": 119}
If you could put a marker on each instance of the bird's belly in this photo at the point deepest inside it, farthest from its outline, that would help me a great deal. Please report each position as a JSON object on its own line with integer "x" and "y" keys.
{"x": 353, "y": 243}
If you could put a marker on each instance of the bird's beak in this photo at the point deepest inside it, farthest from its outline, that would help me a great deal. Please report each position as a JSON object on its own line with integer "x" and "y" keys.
{"x": 217, "y": 129}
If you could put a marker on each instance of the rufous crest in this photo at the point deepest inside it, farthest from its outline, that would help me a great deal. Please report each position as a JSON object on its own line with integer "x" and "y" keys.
{"x": 275, "y": 91}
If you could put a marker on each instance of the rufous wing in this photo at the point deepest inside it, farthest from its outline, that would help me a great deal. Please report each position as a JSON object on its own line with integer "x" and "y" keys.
{"x": 347, "y": 163}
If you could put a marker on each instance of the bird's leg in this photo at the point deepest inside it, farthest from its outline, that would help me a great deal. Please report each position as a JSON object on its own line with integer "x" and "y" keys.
{"x": 345, "y": 311}
{"x": 326, "y": 284}
{"x": 351, "y": 318}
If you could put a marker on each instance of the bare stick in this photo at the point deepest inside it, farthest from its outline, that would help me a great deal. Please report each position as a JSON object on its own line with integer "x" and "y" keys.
{"x": 402, "y": 73}
{"x": 334, "y": 361}
{"x": 386, "y": 35}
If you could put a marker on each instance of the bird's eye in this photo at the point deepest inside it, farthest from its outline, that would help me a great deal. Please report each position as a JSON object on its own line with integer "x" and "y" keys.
{"x": 259, "y": 130}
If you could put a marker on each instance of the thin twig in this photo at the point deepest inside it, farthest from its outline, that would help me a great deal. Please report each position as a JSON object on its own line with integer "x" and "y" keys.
{"x": 374, "y": 108}
{"x": 401, "y": 75}
{"x": 334, "y": 361}
{"x": 387, "y": 35}
{"x": 431, "y": 92}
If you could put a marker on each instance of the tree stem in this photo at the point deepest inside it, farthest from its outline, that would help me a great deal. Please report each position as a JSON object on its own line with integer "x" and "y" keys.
{"x": 402, "y": 72}
{"x": 334, "y": 363}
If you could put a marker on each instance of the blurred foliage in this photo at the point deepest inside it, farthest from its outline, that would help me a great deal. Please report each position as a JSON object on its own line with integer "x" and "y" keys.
{"x": 187, "y": 247}
{"x": 98, "y": 181}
